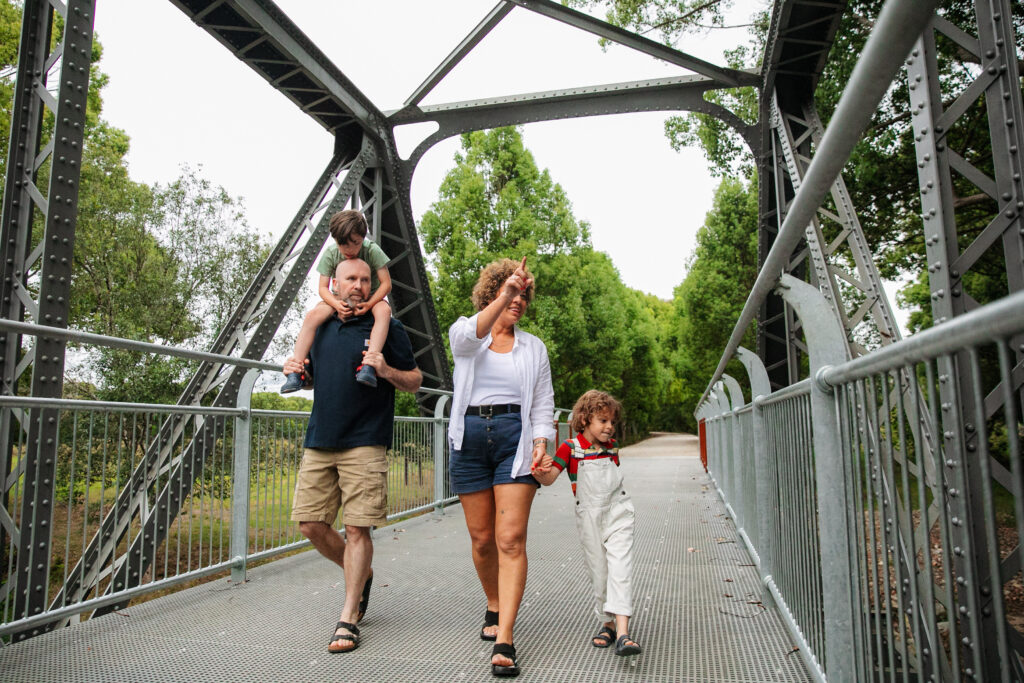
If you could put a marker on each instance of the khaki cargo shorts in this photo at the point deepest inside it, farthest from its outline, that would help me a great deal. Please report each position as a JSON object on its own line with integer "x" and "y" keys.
{"x": 354, "y": 480}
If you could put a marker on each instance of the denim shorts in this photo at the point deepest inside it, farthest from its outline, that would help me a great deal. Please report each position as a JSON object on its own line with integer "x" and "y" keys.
{"x": 489, "y": 446}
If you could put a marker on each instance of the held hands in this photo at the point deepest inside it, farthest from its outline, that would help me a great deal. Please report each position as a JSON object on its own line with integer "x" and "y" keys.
{"x": 541, "y": 460}
{"x": 375, "y": 359}
{"x": 343, "y": 309}
{"x": 292, "y": 365}
{"x": 517, "y": 282}
{"x": 361, "y": 308}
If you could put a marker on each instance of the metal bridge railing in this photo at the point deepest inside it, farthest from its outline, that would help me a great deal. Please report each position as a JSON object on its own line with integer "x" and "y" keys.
{"x": 831, "y": 477}
{"x": 237, "y": 510}
{"x": 107, "y": 487}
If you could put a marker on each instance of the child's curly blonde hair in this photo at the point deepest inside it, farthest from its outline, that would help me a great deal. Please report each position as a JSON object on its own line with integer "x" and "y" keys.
{"x": 491, "y": 280}
{"x": 590, "y": 404}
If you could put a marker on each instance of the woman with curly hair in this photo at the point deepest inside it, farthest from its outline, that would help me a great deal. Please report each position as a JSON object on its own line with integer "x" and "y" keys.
{"x": 501, "y": 421}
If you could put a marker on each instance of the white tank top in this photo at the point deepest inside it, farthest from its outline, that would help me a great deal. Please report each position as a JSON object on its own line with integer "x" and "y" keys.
{"x": 494, "y": 380}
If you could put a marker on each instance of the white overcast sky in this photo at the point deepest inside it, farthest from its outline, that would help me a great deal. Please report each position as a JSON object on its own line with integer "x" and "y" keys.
{"x": 184, "y": 99}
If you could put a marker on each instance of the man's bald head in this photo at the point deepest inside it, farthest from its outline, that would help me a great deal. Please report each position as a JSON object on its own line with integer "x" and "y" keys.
{"x": 352, "y": 281}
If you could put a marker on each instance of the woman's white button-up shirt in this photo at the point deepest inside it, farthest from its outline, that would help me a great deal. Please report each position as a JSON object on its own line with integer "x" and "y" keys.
{"x": 533, "y": 371}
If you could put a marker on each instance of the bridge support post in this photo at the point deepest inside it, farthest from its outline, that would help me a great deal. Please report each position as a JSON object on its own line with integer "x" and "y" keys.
{"x": 239, "y": 549}
{"x": 439, "y": 468}
{"x": 733, "y": 478}
{"x": 826, "y": 346}
{"x": 760, "y": 386}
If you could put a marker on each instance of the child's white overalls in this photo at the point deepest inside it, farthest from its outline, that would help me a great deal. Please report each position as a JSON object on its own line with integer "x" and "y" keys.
{"x": 604, "y": 520}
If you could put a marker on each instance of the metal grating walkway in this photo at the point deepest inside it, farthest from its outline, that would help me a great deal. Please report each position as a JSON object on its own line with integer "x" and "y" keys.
{"x": 694, "y": 612}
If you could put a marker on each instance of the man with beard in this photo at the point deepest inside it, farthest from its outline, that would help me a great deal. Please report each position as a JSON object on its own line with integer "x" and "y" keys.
{"x": 350, "y": 429}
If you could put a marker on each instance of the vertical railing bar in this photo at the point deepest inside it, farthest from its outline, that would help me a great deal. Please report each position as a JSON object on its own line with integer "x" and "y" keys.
{"x": 279, "y": 474}
{"x": 970, "y": 586}
{"x": 220, "y": 492}
{"x": 899, "y": 625}
{"x": 886, "y": 487}
{"x": 874, "y": 613}
{"x": 947, "y": 546}
{"x": 117, "y": 468}
{"x": 1010, "y": 415}
{"x": 181, "y": 499}
{"x": 861, "y": 632}
{"x": 908, "y": 616}
{"x": 930, "y": 650}
{"x": 71, "y": 502}
{"x": 261, "y": 497}
{"x": 995, "y": 582}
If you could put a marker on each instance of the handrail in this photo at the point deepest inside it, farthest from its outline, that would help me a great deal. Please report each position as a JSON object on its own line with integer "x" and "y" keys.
{"x": 899, "y": 24}
{"x": 999, "y": 319}
{"x": 130, "y": 345}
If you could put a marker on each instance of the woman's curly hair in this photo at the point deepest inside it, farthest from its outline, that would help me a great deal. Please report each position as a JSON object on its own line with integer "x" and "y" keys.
{"x": 590, "y": 404}
{"x": 491, "y": 279}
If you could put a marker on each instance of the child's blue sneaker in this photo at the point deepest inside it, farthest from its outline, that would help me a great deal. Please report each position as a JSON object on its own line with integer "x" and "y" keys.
{"x": 365, "y": 374}
{"x": 298, "y": 380}
{"x": 292, "y": 382}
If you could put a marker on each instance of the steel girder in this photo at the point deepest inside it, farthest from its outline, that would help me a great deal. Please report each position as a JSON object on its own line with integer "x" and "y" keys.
{"x": 799, "y": 39}
{"x": 943, "y": 174}
{"x": 365, "y": 171}
{"x": 38, "y": 234}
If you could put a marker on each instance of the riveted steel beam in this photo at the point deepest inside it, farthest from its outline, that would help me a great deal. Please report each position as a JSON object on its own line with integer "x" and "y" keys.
{"x": 264, "y": 38}
{"x": 998, "y": 180}
{"x": 685, "y": 93}
{"x": 727, "y": 77}
{"x": 54, "y": 203}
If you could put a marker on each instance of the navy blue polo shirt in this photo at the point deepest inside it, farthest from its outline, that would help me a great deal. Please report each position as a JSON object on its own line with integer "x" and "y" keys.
{"x": 347, "y": 414}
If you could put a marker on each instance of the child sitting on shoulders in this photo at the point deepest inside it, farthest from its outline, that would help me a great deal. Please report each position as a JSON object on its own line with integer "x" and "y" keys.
{"x": 348, "y": 228}
{"x": 604, "y": 512}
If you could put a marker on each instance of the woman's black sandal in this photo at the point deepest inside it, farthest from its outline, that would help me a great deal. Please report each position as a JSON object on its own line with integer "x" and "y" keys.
{"x": 505, "y": 650}
{"x": 490, "y": 619}
{"x": 606, "y": 635}
{"x": 622, "y": 649}
{"x": 353, "y": 637}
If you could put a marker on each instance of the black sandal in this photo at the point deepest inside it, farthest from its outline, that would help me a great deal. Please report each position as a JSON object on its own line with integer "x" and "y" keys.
{"x": 505, "y": 650}
{"x": 490, "y": 619}
{"x": 365, "y": 600}
{"x": 624, "y": 650}
{"x": 606, "y": 635}
{"x": 353, "y": 637}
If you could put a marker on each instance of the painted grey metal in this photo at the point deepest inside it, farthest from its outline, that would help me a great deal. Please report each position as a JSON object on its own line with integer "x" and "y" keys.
{"x": 692, "y": 632}
{"x": 826, "y": 347}
{"x": 262, "y": 36}
{"x": 439, "y": 443}
{"x": 486, "y": 25}
{"x": 261, "y": 320}
{"x": 240, "y": 485}
{"x": 727, "y": 77}
{"x": 130, "y": 345}
{"x": 897, "y": 25}
{"x": 996, "y": 85}
{"x": 733, "y": 391}
{"x": 681, "y": 93}
{"x": 37, "y": 277}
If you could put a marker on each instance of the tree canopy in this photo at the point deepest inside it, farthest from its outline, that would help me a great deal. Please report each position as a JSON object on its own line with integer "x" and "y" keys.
{"x": 156, "y": 263}
{"x": 496, "y": 203}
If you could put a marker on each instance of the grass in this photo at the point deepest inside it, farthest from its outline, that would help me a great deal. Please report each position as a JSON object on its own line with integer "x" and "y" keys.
{"x": 199, "y": 535}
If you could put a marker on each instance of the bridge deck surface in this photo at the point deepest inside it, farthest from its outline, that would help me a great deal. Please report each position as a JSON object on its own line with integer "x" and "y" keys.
{"x": 696, "y": 598}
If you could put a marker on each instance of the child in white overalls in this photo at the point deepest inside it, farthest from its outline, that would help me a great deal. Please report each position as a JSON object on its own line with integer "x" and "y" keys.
{"x": 604, "y": 512}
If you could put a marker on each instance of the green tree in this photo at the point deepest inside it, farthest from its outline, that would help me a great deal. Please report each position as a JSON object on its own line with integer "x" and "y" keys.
{"x": 164, "y": 264}
{"x": 708, "y": 302}
{"x": 496, "y": 203}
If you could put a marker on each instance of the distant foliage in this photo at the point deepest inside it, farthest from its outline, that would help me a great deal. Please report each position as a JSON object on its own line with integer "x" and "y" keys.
{"x": 599, "y": 333}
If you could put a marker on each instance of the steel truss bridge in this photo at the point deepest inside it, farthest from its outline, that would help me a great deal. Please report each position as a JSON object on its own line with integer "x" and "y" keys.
{"x": 811, "y": 246}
